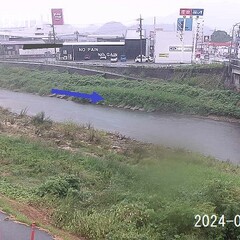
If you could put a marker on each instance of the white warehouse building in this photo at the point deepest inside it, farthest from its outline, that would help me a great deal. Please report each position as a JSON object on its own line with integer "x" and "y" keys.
{"x": 168, "y": 47}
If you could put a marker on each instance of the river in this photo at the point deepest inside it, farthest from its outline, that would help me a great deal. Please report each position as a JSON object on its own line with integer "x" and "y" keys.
{"x": 218, "y": 139}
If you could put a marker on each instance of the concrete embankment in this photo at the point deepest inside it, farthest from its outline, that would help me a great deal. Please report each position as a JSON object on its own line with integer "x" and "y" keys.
{"x": 127, "y": 71}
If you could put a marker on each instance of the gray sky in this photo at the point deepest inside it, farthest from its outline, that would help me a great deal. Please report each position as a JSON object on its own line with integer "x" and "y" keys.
{"x": 220, "y": 14}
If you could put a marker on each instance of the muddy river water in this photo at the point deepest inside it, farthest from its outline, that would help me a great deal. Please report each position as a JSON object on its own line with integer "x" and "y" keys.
{"x": 218, "y": 139}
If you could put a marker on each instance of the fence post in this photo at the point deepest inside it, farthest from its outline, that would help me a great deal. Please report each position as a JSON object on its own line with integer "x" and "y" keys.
{"x": 33, "y": 231}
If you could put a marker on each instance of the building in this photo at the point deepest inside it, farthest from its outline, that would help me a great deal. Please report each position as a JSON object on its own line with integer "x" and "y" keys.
{"x": 78, "y": 51}
{"x": 14, "y": 49}
{"x": 131, "y": 47}
{"x": 169, "y": 48}
{"x": 90, "y": 46}
{"x": 219, "y": 48}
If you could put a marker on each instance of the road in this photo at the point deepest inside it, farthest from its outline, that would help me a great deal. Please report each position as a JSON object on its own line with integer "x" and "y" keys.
{"x": 10, "y": 230}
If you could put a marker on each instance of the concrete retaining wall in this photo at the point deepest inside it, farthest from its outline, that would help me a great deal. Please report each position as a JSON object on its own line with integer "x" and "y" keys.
{"x": 128, "y": 72}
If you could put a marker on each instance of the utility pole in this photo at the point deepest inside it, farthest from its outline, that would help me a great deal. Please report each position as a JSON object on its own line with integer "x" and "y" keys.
{"x": 77, "y": 34}
{"x": 236, "y": 44}
{"x": 54, "y": 41}
{"x": 140, "y": 32}
{"x": 183, "y": 30}
{"x": 195, "y": 39}
{"x": 233, "y": 41}
{"x": 154, "y": 40}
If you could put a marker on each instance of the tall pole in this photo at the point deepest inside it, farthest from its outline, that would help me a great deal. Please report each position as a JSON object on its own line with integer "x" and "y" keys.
{"x": 54, "y": 41}
{"x": 194, "y": 43}
{"x": 184, "y": 24}
{"x": 202, "y": 37}
{"x": 154, "y": 39}
{"x": 140, "y": 32}
{"x": 195, "y": 39}
{"x": 233, "y": 33}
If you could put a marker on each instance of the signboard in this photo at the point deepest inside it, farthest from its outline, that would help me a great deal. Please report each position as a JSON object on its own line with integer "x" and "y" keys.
{"x": 197, "y": 12}
{"x": 180, "y": 23}
{"x": 179, "y": 49}
{"x": 185, "y": 11}
{"x": 57, "y": 16}
{"x": 9, "y": 48}
{"x": 188, "y": 24}
{"x": 163, "y": 55}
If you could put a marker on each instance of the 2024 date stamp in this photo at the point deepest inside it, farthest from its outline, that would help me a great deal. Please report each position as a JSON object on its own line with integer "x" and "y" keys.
{"x": 215, "y": 221}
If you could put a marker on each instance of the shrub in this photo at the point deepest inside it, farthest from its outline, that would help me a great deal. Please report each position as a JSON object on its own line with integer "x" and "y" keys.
{"x": 58, "y": 186}
{"x": 70, "y": 129}
{"x": 40, "y": 118}
{"x": 23, "y": 112}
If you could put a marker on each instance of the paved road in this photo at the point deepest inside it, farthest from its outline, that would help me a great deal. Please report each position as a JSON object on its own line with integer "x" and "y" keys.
{"x": 10, "y": 230}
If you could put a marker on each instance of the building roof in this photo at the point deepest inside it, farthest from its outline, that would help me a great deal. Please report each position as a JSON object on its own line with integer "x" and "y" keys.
{"x": 134, "y": 34}
{"x": 220, "y": 44}
{"x": 21, "y": 42}
{"x": 94, "y": 43}
{"x": 104, "y": 36}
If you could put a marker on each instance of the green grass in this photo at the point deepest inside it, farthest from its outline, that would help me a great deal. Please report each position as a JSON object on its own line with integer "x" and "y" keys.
{"x": 176, "y": 96}
{"x": 150, "y": 194}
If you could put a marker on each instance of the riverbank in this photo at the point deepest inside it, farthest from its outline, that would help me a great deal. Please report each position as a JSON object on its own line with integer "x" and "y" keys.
{"x": 149, "y": 95}
{"x": 100, "y": 185}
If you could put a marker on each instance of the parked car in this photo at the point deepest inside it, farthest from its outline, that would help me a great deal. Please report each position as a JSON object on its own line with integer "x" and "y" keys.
{"x": 138, "y": 59}
{"x": 123, "y": 58}
{"x": 87, "y": 57}
{"x": 150, "y": 59}
{"x": 103, "y": 57}
{"x": 113, "y": 59}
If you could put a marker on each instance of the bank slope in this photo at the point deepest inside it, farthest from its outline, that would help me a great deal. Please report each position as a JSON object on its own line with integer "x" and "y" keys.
{"x": 104, "y": 186}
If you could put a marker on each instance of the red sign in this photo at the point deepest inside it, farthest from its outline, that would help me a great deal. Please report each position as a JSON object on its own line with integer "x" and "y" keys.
{"x": 57, "y": 16}
{"x": 185, "y": 11}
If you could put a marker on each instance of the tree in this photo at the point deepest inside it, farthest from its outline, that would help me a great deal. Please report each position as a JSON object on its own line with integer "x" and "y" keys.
{"x": 220, "y": 36}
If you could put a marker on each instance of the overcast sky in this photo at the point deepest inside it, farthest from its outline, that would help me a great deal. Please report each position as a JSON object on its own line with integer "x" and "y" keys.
{"x": 220, "y": 14}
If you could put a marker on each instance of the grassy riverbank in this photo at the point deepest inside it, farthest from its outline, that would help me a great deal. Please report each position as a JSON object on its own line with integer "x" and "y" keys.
{"x": 146, "y": 95}
{"x": 103, "y": 186}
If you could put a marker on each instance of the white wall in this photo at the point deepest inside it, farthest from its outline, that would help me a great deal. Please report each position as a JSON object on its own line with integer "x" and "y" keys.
{"x": 27, "y": 52}
{"x": 168, "y": 47}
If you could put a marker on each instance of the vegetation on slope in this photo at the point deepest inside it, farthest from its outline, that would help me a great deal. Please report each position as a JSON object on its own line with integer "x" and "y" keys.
{"x": 104, "y": 186}
{"x": 147, "y": 95}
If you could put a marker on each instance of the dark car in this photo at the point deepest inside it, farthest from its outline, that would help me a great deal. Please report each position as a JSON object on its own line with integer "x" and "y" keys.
{"x": 123, "y": 58}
